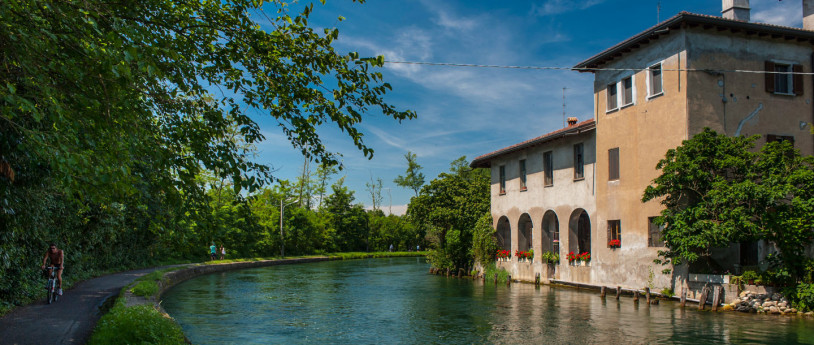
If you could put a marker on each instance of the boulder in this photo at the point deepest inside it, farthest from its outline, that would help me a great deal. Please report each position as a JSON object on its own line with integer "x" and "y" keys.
{"x": 774, "y": 310}
{"x": 794, "y": 310}
{"x": 744, "y": 294}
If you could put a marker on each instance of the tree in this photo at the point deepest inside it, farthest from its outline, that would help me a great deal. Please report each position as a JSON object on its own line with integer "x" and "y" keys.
{"x": 448, "y": 208}
{"x": 374, "y": 188}
{"x": 717, "y": 191}
{"x": 413, "y": 178}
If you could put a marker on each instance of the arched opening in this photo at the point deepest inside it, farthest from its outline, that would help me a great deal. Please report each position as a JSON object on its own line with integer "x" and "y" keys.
{"x": 579, "y": 232}
{"x": 551, "y": 232}
{"x": 504, "y": 233}
{"x": 524, "y": 227}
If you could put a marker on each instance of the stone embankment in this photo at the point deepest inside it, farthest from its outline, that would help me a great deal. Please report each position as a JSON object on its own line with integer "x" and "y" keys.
{"x": 751, "y": 302}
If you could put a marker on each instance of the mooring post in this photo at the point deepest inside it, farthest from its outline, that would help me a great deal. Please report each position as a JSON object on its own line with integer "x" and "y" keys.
{"x": 602, "y": 292}
{"x": 460, "y": 272}
{"x": 703, "y": 300}
{"x": 495, "y": 278}
{"x": 683, "y": 297}
{"x": 636, "y": 296}
{"x": 447, "y": 272}
{"x": 647, "y": 294}
{"x": 716, "y": 297}
{"x": 537, "y": 279}
{"x": 509, "y": 279}
{"x": 618, "y": 292}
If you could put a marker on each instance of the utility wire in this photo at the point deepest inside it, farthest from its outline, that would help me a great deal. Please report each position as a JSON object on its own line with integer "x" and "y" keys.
{"x": 706, "y": 70}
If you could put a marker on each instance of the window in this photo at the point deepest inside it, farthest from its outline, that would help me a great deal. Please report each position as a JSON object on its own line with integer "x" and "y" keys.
{"x": 579, "y": 162}
{"x": 523, "y": 174}
{"x": 548, "y": 168}
{"x": 611, "y": 94}
{"x": 654, "y": 238}
{"x": 502, "y": 179}
{"x": 773, "y": 137}
{"x": 614, "y": 233}
{"x": 654, "y": 80}
{"x": 613, "y": 164}
{"x": 784, "y": 83}
{"x": 627, "y": 91}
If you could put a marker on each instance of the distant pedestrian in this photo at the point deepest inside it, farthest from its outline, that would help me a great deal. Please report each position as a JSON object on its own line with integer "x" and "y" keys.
{"x": 222, "y": 252}
{"x": 213, "y": 251}
{"x": 391, "y": 247}
{"x": 417, "y": 248}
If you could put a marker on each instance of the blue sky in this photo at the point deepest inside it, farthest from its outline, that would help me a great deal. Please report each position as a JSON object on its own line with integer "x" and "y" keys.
{"x": 472, "y": 111}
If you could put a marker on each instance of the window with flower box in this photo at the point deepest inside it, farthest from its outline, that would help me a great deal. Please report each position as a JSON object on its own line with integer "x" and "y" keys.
{"x": 614, "y": 233}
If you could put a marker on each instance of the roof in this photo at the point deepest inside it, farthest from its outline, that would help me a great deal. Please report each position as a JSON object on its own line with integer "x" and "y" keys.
{"x": 484, "y": 161}
{"x": 693, "y": 19}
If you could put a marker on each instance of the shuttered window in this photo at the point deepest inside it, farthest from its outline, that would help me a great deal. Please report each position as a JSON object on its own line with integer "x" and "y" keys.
{"x": 579, "y": 162}
{"x": 627, "y": 91}
{"x": 523, "y": 174}
{"x": 654, "y": 236}
{"x": 654, "y": 80}
{"x": 613, "y": 164}
{"x": 502, "y": 179}
{"x": 783, "y": 82}
{"x": 773, "y": 137}
{"x": 548, "y": 168}
{"x": 612, "y": 97}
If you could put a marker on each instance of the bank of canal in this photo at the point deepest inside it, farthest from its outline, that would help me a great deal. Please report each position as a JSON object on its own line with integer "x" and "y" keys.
{"x": 394, "y": 300}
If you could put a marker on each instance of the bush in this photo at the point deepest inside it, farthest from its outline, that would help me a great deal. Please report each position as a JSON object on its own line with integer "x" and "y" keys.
{"x": 484, "y": 242}
{"x": 141, "y": 324}
{"x": 491, "y": 269}
{"x": 804, "y": 298}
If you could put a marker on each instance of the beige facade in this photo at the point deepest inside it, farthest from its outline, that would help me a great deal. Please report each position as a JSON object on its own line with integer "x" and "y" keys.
{"x": 651, "y": 92}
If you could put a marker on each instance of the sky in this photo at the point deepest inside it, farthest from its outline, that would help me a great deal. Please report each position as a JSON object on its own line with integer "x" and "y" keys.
{"x": 468, "y": 111}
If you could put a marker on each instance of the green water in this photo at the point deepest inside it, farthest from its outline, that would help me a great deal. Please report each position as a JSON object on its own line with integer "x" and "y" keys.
{"x": 395, "y": 301}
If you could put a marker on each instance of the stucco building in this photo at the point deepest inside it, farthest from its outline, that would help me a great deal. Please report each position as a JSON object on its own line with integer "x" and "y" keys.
{"x": 651, "y": 92}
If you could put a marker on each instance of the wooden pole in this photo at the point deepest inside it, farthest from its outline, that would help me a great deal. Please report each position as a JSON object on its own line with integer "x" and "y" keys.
{"x": 716, "y": 297}
{"x": 636, "y": 296}
{"x": 495, "y": 278}
{"x": 509, "y": 280}
{"x": 602, "y": 292}
{"x": 537, "y": 279}
{"x": 618, "y": 292}
{"x": 703, "y": 300}
{"x": 647, "y": 294}
{"x": 683, "y": 297}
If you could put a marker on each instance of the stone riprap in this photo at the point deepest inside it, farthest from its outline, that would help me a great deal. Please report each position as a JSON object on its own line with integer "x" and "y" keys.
{"x": 751, "y": 302}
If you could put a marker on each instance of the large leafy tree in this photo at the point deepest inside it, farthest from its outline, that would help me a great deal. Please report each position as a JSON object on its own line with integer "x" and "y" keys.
{"x": 717, "y": 190}
{"x": 448, "y": 208}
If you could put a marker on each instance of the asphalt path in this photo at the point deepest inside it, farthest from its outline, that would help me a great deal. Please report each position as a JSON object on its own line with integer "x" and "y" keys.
{"x": 69, "y": 320}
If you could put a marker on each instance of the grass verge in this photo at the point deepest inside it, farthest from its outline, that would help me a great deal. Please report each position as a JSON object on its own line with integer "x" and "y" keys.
{"x": 140, "y": 324}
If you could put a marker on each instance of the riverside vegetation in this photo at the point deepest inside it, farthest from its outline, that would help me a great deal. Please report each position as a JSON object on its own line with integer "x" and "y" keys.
{"x": 114, "y": 146}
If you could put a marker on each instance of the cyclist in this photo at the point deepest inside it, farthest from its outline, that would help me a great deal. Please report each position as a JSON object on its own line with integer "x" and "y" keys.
{"x": 57, "y": 257}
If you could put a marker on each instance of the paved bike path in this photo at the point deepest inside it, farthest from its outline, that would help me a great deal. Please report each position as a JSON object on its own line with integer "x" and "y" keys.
{"x": 69, "y": 320}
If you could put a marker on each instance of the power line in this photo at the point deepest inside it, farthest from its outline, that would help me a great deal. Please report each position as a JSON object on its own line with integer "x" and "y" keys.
{"x": 554, "y": 68}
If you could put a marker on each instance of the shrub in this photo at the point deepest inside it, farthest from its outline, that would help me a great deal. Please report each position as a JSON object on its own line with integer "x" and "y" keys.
{"x": 484, "y": 242}
{"x": 804, "y": 298}
{"x": 491, "y": 269}
{"x": 141, "y": 324}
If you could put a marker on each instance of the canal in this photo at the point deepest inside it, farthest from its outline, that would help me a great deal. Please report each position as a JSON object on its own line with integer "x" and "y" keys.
{"x": 396, "y": 301}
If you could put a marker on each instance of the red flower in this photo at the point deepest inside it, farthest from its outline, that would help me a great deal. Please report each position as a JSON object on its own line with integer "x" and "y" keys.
{"x": 615, "y": 243}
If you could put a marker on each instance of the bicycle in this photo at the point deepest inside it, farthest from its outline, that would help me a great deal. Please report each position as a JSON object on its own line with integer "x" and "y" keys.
{"x": 51, "y": 285}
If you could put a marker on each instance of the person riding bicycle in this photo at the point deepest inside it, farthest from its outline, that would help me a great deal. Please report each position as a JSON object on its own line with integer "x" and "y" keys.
{"x": 57, "y": 257}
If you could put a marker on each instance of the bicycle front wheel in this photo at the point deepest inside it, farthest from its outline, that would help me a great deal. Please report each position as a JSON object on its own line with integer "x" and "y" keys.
{"x": 50, "y": 291}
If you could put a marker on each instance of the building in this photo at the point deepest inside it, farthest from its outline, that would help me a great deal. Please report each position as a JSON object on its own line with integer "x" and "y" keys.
{"x": 660, "y": 87}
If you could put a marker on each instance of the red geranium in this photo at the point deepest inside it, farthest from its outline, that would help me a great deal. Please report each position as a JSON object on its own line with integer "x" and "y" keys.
{"x": 615, "y": 243}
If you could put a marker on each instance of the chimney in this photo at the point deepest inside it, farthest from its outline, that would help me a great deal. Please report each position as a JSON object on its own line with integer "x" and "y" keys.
{"x": 572, "y": 121}
{"x": 808, "y": 14}
{"x": 736, "y": 10}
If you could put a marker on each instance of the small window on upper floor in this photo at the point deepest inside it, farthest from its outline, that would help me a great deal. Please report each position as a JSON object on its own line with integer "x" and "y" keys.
{"x": 502, "y": 179}
{"x": 654, "y": 81}
{"x": 612, "y": 97}
{"x": 614, "y": 233}
{"x": 781, "y": 78}
{"x": 627, "y": 91}
{"x": 579, "y": 162}
{"x": 523, "y": 175}
{"x": 613, "y": 164}
{"x": 548, "y": 168}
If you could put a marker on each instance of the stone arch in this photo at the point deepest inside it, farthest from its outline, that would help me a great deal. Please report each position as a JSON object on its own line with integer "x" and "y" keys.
{"x": 524, "y": 237}
{"x": 550, "y": 239}
{"x": 579, "y": 232}
{"x": 504, "y": 233}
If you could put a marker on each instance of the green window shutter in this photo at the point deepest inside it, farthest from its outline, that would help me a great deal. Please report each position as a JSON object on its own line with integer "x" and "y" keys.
{"x": 769, "y": 67}
{"x": 797, "y": 79}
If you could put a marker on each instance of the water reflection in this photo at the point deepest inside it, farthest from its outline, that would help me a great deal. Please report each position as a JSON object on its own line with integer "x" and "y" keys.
{"x": 396, "y": 301}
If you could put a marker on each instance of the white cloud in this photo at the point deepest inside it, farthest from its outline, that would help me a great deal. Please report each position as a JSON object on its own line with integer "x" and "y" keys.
{"x": 551, "y": 7}
{"x": 462, "y": 24}
{"x": 786, "y": 13}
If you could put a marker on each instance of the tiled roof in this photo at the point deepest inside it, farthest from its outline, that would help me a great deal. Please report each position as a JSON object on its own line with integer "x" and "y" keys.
{"x": 682, "y": 18}
{"x": 483, "y": 161}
